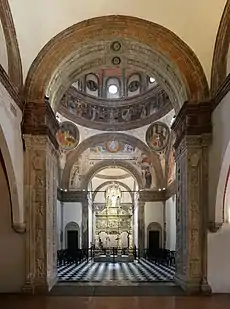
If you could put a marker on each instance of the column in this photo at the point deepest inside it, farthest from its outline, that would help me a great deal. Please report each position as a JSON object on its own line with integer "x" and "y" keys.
{"x": 141, "y": 227}
{"x": 40, "y": 185}
{"x": 85, "y": 225}
{"x": 193, "y": 132}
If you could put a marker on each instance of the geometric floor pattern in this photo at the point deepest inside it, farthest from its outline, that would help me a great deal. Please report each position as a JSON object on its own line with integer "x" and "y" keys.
{"x": 137, "y": 271}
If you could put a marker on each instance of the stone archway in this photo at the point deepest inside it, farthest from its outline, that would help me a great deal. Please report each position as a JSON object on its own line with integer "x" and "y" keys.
{"x": 184, "y": 80}
{"x": 95, "y": 139}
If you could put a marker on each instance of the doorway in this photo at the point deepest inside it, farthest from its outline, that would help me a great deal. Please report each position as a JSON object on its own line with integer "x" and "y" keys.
{"x": 72, "y": 240}
{"x": 154, "y": 240}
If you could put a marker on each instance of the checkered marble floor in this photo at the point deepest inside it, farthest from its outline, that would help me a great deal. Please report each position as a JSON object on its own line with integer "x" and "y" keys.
{"x": 141, "y": 271}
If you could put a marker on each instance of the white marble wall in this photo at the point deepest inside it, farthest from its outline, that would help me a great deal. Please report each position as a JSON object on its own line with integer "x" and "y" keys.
{"x": 170, "y": 216}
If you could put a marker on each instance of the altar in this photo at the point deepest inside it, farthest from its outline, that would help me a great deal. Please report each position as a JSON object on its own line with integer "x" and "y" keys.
{"x": 114, "y": 258}
{"x": 113, "y": 223}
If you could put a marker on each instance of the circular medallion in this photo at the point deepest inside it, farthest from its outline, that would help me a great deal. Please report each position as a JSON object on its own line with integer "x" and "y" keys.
{"x": 112, "y": 146}
{"x": 157, "y": 136}
{"x": 67, "y": 135}
{"x": 116, "y": 61}
{"x": 116, "y": 46}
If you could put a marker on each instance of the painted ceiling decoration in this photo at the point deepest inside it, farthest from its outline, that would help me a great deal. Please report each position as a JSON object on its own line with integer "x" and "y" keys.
{"x": 68, "y": 136}
{"x": 157, "y": 136}
{"x": 114, "y": 115}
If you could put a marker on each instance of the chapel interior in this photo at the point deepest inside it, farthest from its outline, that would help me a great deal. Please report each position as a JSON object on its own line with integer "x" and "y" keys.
{"x": 114, "y": 153}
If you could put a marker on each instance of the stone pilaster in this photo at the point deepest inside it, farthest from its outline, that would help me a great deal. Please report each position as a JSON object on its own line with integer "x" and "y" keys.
{"x": 85, "y": 225}
{"x": 141, "y": 227}
{"x": 40, "y": 202}
{"x": 193, "y": 132}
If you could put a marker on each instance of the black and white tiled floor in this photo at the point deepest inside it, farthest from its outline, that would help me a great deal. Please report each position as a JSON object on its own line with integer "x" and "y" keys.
{"x": 142, "y": 271}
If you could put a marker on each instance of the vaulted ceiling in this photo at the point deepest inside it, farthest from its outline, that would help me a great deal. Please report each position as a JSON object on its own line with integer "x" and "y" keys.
{"x": 195, "y": 22}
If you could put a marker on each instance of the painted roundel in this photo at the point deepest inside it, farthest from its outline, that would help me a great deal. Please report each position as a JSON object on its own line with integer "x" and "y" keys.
{"x": 157, "y": 136}
{"x": 112, "y": 146}
{"x": 68, "y": 135}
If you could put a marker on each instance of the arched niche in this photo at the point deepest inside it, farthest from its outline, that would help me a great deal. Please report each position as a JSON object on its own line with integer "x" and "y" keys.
{"x": 72, "y": 226}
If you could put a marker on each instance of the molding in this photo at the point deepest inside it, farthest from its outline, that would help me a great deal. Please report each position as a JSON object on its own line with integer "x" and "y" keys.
{"x": 14, "y": 58}
{"x": 221, "y": 92}
{"x": 5, "y": 80}
{"x": 107, "y": 177}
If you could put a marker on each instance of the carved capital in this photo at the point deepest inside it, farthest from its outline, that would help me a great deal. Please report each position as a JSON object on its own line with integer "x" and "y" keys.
{"x": 192, "y": 120}
{"x": 39, "y": 119}
{"x": 214, "y": 227}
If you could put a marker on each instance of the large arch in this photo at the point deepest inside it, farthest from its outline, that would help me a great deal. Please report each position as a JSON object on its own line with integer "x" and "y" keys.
{"x": 172, "y": 59}
{"x": 95, "y": 139}
{"x": 108, "y": 163}
{"x": 219, "y": 64}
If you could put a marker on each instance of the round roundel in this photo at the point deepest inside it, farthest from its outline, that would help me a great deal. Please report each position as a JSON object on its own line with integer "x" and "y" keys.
{"x": 112, "y": 146}
{"x": 157, "y": 136}
{"x": 68, "y": 135}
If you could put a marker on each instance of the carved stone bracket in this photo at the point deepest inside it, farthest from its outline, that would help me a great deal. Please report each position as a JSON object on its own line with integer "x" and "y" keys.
{"x": 214, "y": 227}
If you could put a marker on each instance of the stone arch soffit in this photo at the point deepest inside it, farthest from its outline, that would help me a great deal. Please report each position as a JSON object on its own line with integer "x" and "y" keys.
{"x": 13, "y": 52}
{"x": 108, "y": 163}
{"x": 220, "y": 212}
{"x": 107, "y": 183}
{"x": 95, "y": 139}
{"x": 16, "y": 211}
{"x": 219, "y": 63}
{"x": 168, "y": 44}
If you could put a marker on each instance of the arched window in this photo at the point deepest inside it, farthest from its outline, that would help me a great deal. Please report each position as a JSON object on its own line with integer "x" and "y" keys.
{"x": 113, "y": 88}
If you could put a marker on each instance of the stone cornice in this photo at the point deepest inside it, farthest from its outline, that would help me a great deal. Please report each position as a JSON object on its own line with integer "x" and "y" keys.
{"x": 151, "y": 196}
{"x": 72, "y": 196}
{"x": 193, "y": 119}
{"x": 39, "y": 119}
